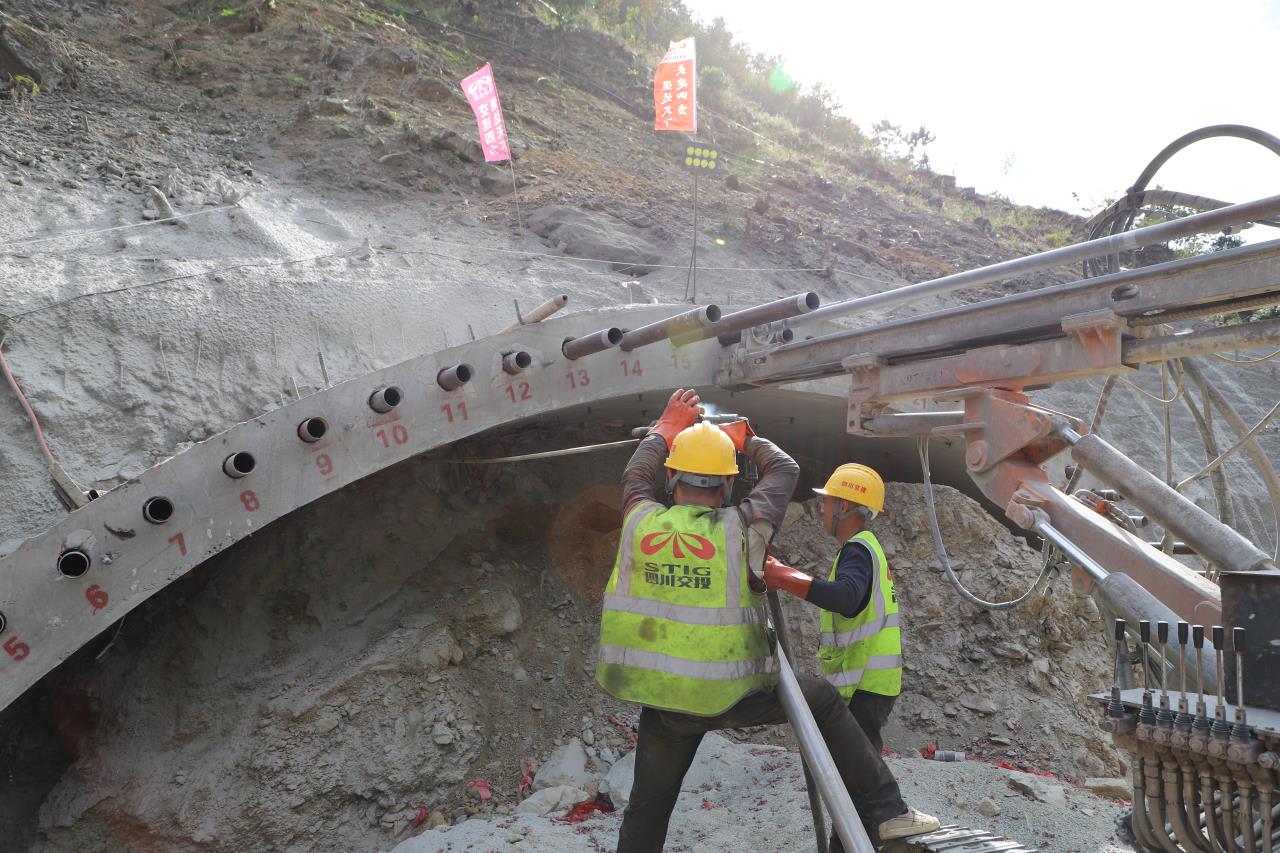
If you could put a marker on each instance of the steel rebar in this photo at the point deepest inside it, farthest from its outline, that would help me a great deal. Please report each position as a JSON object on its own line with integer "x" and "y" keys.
{"x": 1214, "y": 220}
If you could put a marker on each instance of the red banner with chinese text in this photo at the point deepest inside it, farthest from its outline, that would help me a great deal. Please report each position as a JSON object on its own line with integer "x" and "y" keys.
{"x": 675, "y": 103}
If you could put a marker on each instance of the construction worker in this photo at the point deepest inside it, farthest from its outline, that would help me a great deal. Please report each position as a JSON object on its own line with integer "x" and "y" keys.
{"x": 683, "y": 633}
{"x": 861, "y": 642}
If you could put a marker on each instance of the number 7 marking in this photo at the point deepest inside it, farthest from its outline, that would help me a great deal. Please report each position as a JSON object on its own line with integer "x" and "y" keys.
{"x": 181, "y": 542}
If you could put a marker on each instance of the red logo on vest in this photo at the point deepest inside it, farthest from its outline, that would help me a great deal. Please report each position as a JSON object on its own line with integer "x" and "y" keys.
{"x": 696, "y": 545}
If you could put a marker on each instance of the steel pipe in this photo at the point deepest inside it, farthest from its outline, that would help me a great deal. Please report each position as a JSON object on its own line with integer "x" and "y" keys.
{"x": 4, "y": 623}
{"x": 1165, "y": 347}
{"x": 157, "y": 510}
{"x": 239, "y": 465}
{"x": 385, "y": 399}
{"x": 815, "y": 798}
{"x": 455, "y": 377}
{"x": 73, "y": 563}
{"x": 514, "y": 362}
{"x": 542, "y": 312}
{"x": 1213, "y": 220}
{"x": 1212, "y": 539}
{"x": 818, "y": 759}
{"x": 1069, "y": 549}
{"x": 915, "y": 423}
{"x": 682, "y": 327}
{"x": 313, "y": 429}
{"x": 729, "y": 328}
{"x": 575, "y": 348}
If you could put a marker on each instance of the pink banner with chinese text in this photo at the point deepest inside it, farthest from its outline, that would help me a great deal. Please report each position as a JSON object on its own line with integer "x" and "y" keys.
{"x": 482, "y": 94}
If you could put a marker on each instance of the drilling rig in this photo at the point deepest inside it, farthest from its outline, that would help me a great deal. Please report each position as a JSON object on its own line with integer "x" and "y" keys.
{"x": 1204, "y": 763}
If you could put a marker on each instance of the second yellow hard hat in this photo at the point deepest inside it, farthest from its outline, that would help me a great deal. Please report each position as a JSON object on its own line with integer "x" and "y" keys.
{"x": 855, "y": 483}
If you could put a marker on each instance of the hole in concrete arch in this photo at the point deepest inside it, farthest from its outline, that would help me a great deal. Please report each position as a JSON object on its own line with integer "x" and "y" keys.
{"x": 73, "y": 563}
{"x": 157, "y": 510}
{"x": 240, "y": 464}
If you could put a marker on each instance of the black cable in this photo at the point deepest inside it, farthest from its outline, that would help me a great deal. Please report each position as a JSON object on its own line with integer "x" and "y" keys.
{"x": 1120, "y": 216}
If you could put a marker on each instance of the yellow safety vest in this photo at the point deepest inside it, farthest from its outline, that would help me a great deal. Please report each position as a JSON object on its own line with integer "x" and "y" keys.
{"x": 865, "y": 652}
{"x": 681, "y": 629}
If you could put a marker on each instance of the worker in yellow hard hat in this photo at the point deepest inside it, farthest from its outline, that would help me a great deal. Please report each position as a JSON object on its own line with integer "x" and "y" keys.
{"x": 860, "y": 642}
{"x": 683, "y": 630}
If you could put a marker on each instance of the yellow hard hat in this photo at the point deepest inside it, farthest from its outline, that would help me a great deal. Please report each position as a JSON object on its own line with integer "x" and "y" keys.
{"x": 857, "y": 484}
{"x": 703, "y": 449}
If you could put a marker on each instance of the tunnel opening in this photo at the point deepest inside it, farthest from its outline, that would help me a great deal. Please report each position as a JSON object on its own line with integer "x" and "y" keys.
{"x": 436, "y": 623}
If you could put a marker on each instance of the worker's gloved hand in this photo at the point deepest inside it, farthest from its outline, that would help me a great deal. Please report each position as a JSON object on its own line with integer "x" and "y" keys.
{"x": 738, "y": 431}
{"x": 781, "y": 576}
{"x": 681, "y": 413}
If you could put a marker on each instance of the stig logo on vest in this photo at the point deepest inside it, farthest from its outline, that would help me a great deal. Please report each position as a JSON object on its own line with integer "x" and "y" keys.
{"x": 678, "y": 574}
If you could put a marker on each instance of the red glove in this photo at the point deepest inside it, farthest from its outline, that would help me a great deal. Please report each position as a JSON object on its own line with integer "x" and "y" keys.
{"x": 681, "y": 413}
{"x": 738, "y": 431}
{"x": 781, "y": 576}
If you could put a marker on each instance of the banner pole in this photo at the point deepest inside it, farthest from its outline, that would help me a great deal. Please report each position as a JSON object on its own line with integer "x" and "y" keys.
{"x": 511, "y": 164}
{"x": 693, "y": 257}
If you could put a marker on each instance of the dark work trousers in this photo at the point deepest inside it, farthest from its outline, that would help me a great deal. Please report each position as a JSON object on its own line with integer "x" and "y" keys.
{"x": 872, "y": 711}
{"x": 668, "y": 742}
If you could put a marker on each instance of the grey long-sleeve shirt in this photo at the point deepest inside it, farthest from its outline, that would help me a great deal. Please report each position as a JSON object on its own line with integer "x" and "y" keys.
{"x": 645, "y": 478}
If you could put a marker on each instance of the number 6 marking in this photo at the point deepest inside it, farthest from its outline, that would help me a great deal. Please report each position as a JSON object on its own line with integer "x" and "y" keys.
{"x": 250, "y": 500}
{"x": 97, "y": 597}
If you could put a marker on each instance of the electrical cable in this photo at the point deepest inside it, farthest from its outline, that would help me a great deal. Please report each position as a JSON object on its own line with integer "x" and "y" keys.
{"x": 1154, "y": 397}
{"x": 941, "y": 548}
{"x": 147, "y": 284}
{"x": 1246, "y": 362}
{"x": 74, "y": 234}
{"x": 1244, "y": 439}
{"x": 22, "y": 398}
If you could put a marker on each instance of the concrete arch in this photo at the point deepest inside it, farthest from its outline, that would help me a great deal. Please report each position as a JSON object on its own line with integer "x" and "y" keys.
{"x": 50, "y": 613}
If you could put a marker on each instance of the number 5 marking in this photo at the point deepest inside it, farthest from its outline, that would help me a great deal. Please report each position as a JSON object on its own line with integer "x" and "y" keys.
{"x": 16, "y": 649}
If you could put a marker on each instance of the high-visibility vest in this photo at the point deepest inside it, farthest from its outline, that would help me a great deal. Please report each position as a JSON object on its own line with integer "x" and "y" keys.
{"x": 865, "y": 652}
{"x": 681, "y": 629}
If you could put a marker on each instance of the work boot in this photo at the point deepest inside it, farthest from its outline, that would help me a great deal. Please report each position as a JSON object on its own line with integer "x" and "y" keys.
{"x": 910, "y": 822}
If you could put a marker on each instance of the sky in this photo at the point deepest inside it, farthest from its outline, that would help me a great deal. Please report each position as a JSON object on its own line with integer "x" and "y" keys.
{"x": 1051, "y": 104}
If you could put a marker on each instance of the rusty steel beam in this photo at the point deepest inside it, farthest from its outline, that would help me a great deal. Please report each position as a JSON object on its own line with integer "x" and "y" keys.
{"x": 1165, "y": 347}
{"x": 1189, "y": 284}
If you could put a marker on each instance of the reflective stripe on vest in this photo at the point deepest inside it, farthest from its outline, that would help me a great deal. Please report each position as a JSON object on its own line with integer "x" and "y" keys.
{"x": 682, "y": 613}
{"x": 857, "y": 635}
{"x": 714, "y": 670}
{"x": 680, "y": 628}
{"x": 851, "y": 678}
{"x": 865, "y": 652}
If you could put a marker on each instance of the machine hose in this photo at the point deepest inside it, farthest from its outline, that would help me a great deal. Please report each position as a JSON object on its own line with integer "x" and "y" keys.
{"x": 941, "y": 547}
